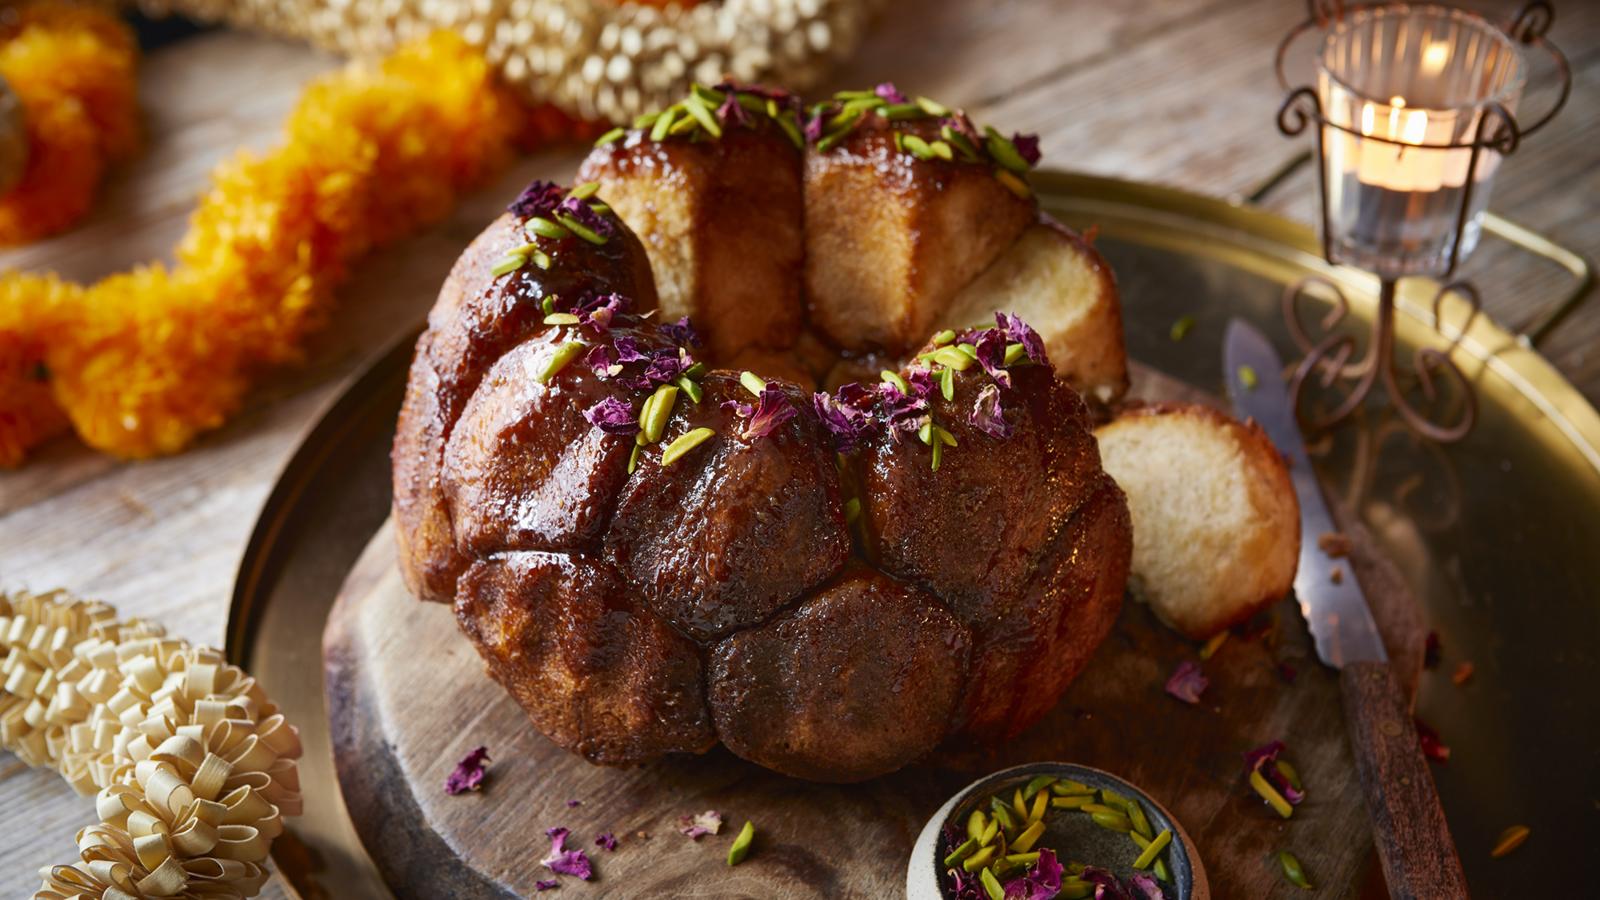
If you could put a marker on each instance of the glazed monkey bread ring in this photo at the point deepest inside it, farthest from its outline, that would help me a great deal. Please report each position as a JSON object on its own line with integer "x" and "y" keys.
{"x": 614, "y": 460}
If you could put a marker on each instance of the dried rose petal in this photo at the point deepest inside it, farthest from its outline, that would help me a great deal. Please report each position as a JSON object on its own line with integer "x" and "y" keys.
{"x": 469, "y": 772}
{"x": 731, "y": 112}
{"x": 539, "y": 198}
{"x": 708, "y": 822}
{"x": 574, "y": 804}
{"x": 627, "y": 349}
{"x": 664, "y": 365}
{"x": 680, "y": 332}
{"x": 845, "y": 415}
{"x": 1187, "y": 683}
{"x": 1106, "y": 885}
{"x": 1027, "y": 147}
{"x": 606, "y": 840}
{"x": 903, "y": 412}
{"x": 1265, "y": 759}
{"x": 1432, "y": 747}
{"x": 920, "y": 380}
{"x": 1020, "y": 332}
{"x": 602, "y": 360}
{"x": 967, "y": 887}
{"x": 1147, "y": 887}
{"x": 613, "y": 416}
{"x": 890, "y": 93}
{"x": 814, "y": 128}
{"x": 563, "y": 861}
{"x": 1042, "y": 882}
{"x": 596, "y": 313}
{"x": 1253, "y": 759}
{"x": 770, "y": 411}
{"x": 987, "y": 414}
{"x": 991, "y": 348}
{"x": 549, "y": 885}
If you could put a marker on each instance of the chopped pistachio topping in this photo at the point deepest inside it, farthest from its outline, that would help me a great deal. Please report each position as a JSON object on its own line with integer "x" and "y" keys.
{"x": 683, "y": 444}
{"x": 918, "y": 147}
{"x": 561, "y": 319}
{"x": 1028, "y": 837}
{"x": 657, "y": 410}
{"x": 901, "y": 111}
{"x": 1293, "y": 871}
{"x": 954, "y": 358}
{"x": 939, "y": 340}
{"x": 942, "y": 150}
{"x": 1154, "y": 849}
{"x": 947, "y": 383}
{"x": 938, "y": 455}
{"x": 747, "y": 834}
{"x": 584, "y": 191}
{"x": 580, "y": 229}
{"x": 663, "y": 124}
{"x": 852, "y": 510}
{"x": 959, "y": 141}
{"x": 647, "y": 120}
{"x": 610, "y": 136}
{"x": 1180, "y": 329}
{"x": 565, "y": 354}
{"x": 1259, "y": 783}
{"x": 1247, "y": 377}
{"x": 1015, "y": 353}
{"x": 694, "y": 391}
{"x": 976, "y": 823}
{"x": 507, "y": 264}
{"x": 933, "y": 107}
{"x": 633, "y": 459}
{"x": 978, "y": 860}
{"x": 542, "y": 227}
{"x": 893, "y": 377}
{"x": 1003, "y": 151}
{"x": 1113, "y": 821}
{"x": 961, "y": 852}
{"x": 925, "y": 433}
{"x": 548, "y": 304}
{"x": 703, "y": 114}
{"x": 752, "y": 382}
{"x": 992, "y": 886}
{"x": 711, "y": 96}
{"x": 1013, "y": 184}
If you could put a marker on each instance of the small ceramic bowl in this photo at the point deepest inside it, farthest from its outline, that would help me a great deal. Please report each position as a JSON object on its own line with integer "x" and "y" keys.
{"x": 1075, "y": 837}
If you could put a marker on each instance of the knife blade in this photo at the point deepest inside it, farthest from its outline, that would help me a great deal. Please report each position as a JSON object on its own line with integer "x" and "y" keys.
{"x": 1408, "y": 825}
{"x": 1337, "y": 613}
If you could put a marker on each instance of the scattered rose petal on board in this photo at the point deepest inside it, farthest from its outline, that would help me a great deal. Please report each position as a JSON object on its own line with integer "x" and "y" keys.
{"x": 469, "y": 772}
{"x": 563, "y": 861}
{"x": 708, "y": 822}
{"x": 1187, "y": 683}
{"x": 1432, "y": 747}
{"x": 606, "y": 840}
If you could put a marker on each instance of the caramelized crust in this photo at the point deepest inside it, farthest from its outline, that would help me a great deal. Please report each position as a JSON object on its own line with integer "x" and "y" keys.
{"x": 991, "y": 533}
{"x": 523, "y": 469}
{"x": 738, "y": 527}
{"x": 857, "y": 681}
{"x": 721, "y": 221}
{"x": 597, "y": 673}
{"x": 476, "y": 319}
{"x": 891, "y": 239}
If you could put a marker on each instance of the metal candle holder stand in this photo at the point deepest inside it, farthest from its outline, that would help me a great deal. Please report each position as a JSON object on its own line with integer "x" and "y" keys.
{"x": 1331, "y": 354}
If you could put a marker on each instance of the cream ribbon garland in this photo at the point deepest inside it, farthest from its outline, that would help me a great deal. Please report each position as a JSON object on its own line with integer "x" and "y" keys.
{"x": 193, "y": 765}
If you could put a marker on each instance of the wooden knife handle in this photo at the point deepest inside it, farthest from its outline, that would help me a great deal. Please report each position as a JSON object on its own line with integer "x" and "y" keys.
{"x": 1419, "y": 858}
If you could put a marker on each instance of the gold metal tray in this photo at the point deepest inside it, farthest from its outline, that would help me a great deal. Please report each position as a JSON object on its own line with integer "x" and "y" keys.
{"x": 1496, "y": 535}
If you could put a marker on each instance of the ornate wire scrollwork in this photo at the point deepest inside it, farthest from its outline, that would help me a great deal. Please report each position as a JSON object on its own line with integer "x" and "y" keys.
{"x": 1331, "y": 357}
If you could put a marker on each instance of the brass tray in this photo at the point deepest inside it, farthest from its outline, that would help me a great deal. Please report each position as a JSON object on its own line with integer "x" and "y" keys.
{"x": 1496, "y": 535}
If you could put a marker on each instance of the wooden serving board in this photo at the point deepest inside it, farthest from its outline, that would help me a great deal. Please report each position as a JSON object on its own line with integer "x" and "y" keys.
{"x": 407, "y": 697}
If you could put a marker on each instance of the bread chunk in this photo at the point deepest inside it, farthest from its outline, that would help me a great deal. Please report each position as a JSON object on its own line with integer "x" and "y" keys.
{"x": 857, "y": 681}
{"x": 1216, "y": 526}
{"x": 892, "y": 239}
{"x": 721, "y": 222}
{"x": 1054, "y": 279}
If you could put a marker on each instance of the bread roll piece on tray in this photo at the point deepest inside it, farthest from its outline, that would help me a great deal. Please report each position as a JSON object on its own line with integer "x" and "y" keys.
{"x": 1216, "y": 526}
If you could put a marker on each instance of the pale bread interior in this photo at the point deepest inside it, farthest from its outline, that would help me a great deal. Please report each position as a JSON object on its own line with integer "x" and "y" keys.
{"x": 1059, "y": 285}
{"x": 1216, "y": 531}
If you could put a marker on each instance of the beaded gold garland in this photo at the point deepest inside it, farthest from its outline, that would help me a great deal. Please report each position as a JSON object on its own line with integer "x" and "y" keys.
{"x": 591, "y": 58}
{"x": 193, "y": 765}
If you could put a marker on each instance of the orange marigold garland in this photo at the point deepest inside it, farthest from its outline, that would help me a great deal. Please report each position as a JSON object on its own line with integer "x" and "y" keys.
{"x": 73, "y": 70}
{"x": 144, "y": 361}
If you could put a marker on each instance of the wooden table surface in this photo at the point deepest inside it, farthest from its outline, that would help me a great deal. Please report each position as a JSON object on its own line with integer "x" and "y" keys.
{"x": 1172, "y": 91}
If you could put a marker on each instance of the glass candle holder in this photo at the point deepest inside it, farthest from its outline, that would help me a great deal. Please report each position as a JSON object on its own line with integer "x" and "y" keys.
{"x": 1405, "y": 91}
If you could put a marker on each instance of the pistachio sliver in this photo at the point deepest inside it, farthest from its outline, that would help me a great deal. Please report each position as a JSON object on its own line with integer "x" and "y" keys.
{"x": 792, "y": 131}
{"x": 942, "y": 150}
{"x": 694, "y": 391}
{"x": 1028, "y": 838}
{"x": 1002, "y": 813}
{"x": 989, "y": 832}
{"x": 1014, "y": 354}
{"x": 633, "y": 459}
{"x": 647, "y": 120}
{"x": 584, "y": 191}
{"x": 663, "y": 124}
{"x": 976, "y": 823}
{"x": 1150, "y": 853}
{"x": 1074, "y": 802}
{"x": 1076, "y": 890}
{"x": 933, "y": 107}
{"x": 580, "y": 229}
{"x": 991, "y": 885}
{"x": 961, "y": 852}
{"x": 711, "y": 96}
{"x": 1136, "y": 815}
{"x": 507, "y": 264}
{"x": 947, "y": 383}
{"x": 684, "y": 443}
{"x": 938, "y": 455}
{"x": 561, "y": 319}
{"x": 1013, "y": 184}
{"x": 1293, "y": 871}
{"x": 1113, "y": 821}
{"x": 918, "y": 147}
{"x": 1004, "y": 152}
{"x": 939, "y": 340}
{"x": 752, "y": 382}
{"x": 952, "y": 357}
{"x": 697, "y": 108}
{"x": 1161, "y": 870}
{"x": 741, "y": 844}
{"x": 894, "y": 378}
{"x": 925, "y": 433}
{"x": 978, "y": 860}
{"x": 610, "y": 136}
{"x": 653, "y": 421}
{"x": 1067, "y": 787}
{"x": 564, "y": 354}
{"x": 1270, "y": 794}
{"x": 1041, "y": 800}
{"x": 542, "y": 227}
{"x": 898, "y": 111}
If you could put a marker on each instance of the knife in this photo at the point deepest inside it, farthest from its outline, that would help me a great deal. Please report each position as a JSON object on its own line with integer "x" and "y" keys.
{"x": 1408, "y": 825}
